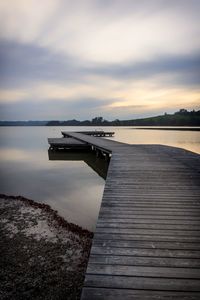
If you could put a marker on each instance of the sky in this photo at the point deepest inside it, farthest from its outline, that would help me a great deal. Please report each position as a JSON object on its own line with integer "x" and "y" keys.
{"x": 79, "y": 59}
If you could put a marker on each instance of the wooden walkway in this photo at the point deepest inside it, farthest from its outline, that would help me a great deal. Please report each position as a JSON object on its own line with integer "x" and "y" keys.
{"x": 147, "y": 239}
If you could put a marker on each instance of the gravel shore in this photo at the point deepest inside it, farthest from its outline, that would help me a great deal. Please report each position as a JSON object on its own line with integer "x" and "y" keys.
{"x": 42, "y": 255}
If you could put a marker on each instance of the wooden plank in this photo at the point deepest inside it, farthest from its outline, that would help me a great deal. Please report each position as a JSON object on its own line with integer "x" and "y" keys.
{"x": 149, "y": 216}
{"x": 129, "y": 260}
{"x": 157, "y": 210}
{"x": 91, "y": 293}
{"x": 115, "y": 225}
{"x": 143, "y": 283}
{"x": 147, "y": 205}
{"x": 147, "y": 237}
{"x": 143, "y": 271}
{"x": 168, "y": 245}
{"x": 141, "y": 231}
{"x": 143, "y": 252}
{"x": 144, "y": 221}
{"x": 154, "y": 216}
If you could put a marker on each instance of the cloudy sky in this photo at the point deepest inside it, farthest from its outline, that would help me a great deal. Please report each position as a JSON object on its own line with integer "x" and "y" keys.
{"x": 123, "y": 59}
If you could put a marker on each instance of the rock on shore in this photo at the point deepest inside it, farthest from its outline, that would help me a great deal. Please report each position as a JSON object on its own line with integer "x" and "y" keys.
{"x": 42, "y": 255}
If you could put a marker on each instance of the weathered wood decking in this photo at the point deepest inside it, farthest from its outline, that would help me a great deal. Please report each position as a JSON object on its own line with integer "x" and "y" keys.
{"x": 147, "y": 239}
{"x": 98, "y": 133}
{"x": 70, "y": 143}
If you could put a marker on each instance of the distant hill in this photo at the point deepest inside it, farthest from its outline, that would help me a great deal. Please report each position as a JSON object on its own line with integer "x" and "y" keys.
{"x": 180, "y": 118}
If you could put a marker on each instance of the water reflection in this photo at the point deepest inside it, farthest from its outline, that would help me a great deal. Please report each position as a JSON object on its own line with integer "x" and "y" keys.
{"x": 65, "y": 181}
{"x": 99, "y": 165}
{"x": 67, "y": 184}
{"x": 8, "y": 154}
{"x": 189, "y": 140}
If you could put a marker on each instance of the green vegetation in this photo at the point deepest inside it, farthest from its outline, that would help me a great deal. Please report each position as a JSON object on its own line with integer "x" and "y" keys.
{"x": 180, "y": 118}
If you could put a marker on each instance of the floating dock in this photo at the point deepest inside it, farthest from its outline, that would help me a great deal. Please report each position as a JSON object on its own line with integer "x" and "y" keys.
{"x": 147, "y": 240}
{"x": 67, "y": 143}
{"x": 97, "y": 133}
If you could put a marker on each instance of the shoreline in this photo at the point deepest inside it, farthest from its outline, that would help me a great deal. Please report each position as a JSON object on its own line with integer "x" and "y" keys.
{"x": 42, "y": 255}
{"x": 60, "y": 220}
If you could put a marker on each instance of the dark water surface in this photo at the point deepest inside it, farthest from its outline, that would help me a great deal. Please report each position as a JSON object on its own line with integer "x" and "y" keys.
{"x": 71, "y": 183}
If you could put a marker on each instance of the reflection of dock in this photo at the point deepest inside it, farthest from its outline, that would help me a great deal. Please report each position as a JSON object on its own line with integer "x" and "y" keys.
{"x": 98, "y": 164}
{"x": 147, "y": 240}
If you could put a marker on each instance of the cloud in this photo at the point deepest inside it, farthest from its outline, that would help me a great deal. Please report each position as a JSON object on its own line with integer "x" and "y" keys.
{"x": 66, "y": 59}
{"x": 24, "y": 20}
{"x": 12, "y": 95}
{"x": 182, "y": 69}
{"x": 118, "y": 32}
{"x": 79, "y": 108}
{"x": 23, "y": 64}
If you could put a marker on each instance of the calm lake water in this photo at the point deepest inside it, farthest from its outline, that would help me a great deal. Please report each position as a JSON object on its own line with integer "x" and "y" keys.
{"x": 71, "y": 183}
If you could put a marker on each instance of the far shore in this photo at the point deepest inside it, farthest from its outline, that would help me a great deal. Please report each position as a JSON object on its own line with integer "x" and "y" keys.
{"x": 169, "y": 128}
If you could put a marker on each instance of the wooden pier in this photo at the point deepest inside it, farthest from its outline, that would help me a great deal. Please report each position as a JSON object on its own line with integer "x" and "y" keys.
{"x": 147, "y": 239}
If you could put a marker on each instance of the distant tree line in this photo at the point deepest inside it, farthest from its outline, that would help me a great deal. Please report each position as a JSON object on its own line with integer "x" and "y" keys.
{"x": 23, "y": 123}
{"x": 180, "y": 118}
